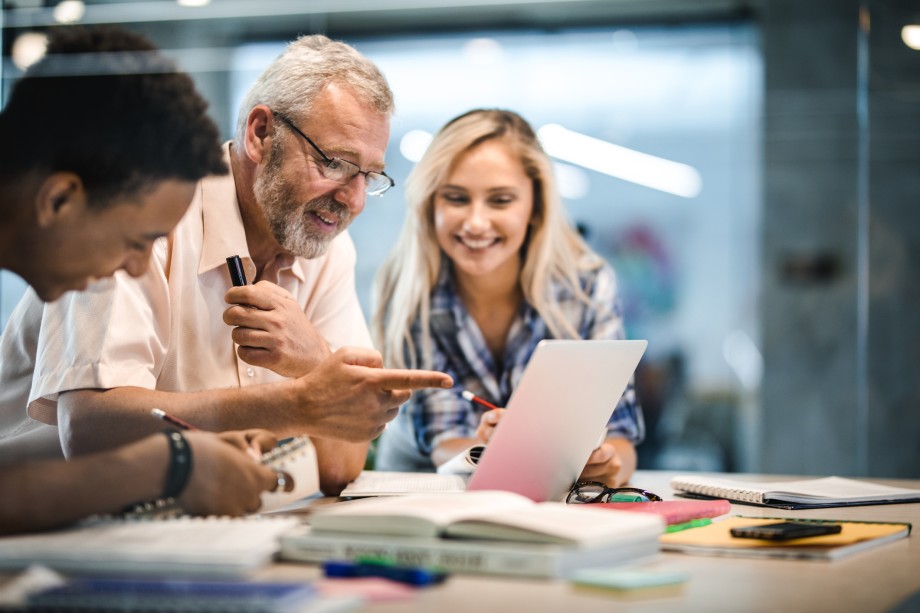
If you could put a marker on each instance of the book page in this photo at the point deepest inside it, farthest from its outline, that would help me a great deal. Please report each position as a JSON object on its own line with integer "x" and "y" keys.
{"x": 556, "y": 522}
{"x": 185, "y": 546}
{"x": 838, "y": 488}
{"x": 384, "y": 483}
{"x": 824, "y": 489}
{"x": 414, "y": 514}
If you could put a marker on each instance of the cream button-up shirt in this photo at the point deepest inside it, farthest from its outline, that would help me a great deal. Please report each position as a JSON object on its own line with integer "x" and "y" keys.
{"x": 165, "y": 330}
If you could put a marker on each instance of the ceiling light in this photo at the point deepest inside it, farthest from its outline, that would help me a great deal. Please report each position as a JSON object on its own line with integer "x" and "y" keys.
{"x": 193, "y": 2}
{"x": 483, "y": 51}
{"x": 621, "y": 162}
{"x": 911, "y": 36}
{"x": 69, "y": 11}
{"x": 572, "y": 182}
{"x": 28, "y": 48}
{"x": 414, "y": 144}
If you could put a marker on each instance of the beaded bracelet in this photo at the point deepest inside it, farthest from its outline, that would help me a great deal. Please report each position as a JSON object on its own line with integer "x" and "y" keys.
{"x": 180, "y": 464}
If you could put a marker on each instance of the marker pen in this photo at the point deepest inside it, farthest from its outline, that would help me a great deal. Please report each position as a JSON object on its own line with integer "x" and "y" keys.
{"x": 237, "y": 274}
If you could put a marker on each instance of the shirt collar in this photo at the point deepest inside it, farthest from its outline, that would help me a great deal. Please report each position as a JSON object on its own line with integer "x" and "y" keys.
{"x": 223, "y": 232}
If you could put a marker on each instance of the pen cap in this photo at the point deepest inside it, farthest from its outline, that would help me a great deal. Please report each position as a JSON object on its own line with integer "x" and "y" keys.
{"x": 237, "y": 275}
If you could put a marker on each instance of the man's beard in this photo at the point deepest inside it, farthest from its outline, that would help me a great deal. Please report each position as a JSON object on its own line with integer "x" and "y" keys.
{"x": 288, "y": 221}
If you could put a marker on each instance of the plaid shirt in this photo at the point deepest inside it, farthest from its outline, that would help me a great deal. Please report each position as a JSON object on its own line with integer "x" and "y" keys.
{"x": 432, "y": 416}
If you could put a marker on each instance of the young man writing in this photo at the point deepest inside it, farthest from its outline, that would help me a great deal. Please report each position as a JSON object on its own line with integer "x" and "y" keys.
{"x": 104, "y": 142}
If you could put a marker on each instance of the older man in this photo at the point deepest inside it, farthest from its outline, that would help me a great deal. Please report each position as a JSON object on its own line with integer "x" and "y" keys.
{"x": 309, "y": 149}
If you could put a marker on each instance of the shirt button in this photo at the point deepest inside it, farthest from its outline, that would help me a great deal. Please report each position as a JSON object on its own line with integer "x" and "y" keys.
{"x": 250, "y": 372}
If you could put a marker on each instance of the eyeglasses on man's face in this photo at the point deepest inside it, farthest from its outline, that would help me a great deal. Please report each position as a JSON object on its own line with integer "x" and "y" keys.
{"x": 343, "y": 171}
{"x": 585, "y": 492}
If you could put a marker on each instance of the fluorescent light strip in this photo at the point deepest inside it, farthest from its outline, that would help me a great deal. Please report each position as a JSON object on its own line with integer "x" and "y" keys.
{"x": 616, "y": 161}
{"x": 910, "y": 34}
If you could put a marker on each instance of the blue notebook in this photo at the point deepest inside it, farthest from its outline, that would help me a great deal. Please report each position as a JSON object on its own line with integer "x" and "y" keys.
{"x": 174, "y": 596}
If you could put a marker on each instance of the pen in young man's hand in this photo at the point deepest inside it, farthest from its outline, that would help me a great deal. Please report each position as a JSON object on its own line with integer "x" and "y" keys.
{"x": 184, "y": 425}
{"x": 172, "y": 419}
{"x": 480, "y": 401}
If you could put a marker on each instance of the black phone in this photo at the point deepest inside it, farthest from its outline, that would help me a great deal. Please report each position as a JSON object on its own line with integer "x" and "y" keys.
{"x": 784, "y": 531}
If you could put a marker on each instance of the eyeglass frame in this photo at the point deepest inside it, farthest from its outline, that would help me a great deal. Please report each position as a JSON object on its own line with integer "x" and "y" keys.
{"x": 607, "y": 491}
{"x": 333, "y": 160}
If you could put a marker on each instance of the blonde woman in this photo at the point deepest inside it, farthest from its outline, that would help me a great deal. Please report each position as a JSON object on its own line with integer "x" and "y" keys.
{"x": 487, "y": 267}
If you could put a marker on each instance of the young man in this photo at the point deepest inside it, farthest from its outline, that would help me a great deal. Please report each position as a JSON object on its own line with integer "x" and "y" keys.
{"x": 309, "y": 148}
{"x": 104, "y": 142}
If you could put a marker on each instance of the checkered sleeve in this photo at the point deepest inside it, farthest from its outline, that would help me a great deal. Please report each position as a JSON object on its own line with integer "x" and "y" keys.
{"x": 605, "y": 321}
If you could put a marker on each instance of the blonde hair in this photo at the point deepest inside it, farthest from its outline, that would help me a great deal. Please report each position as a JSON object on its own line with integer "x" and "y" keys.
{"x": 307, "y": 66}
{"x": 554, "y": 250}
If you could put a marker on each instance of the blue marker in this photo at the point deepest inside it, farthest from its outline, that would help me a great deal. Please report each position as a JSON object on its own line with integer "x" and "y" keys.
{"x": 403, "y": 574}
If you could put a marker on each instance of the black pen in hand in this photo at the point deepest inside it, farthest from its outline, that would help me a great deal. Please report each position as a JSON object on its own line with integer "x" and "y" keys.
{"x": 237, "y": 274}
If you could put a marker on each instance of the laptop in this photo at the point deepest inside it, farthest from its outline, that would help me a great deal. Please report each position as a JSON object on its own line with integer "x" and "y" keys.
{"x": 554, "y": 420}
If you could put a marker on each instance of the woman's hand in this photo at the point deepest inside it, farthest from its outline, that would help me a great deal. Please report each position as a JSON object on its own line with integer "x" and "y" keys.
{"x": 612, "y": 463}
{"x": 487, "y": 424}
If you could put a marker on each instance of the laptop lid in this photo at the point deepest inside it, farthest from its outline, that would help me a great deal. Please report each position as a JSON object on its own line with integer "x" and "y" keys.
{"x": 555, "y": 416}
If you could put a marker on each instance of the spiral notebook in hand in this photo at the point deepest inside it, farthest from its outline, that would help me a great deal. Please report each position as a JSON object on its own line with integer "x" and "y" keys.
{"x": 297, "y": 459}
{"x": 800, "y": 494}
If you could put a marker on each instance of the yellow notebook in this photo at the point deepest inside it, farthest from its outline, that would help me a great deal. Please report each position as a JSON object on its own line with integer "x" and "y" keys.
{"x": 716, "y": 539}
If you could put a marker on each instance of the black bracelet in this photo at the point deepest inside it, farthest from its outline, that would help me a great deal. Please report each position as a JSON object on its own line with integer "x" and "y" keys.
{"x": 180, "y": 464}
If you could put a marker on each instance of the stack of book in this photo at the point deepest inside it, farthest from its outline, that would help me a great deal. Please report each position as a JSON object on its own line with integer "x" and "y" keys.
{"x": 484, "y": 532}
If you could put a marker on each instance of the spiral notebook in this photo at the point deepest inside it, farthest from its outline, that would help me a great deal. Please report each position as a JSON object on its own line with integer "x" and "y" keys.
{"x": 820, "y": 493}
{"x": 297, "y": 458}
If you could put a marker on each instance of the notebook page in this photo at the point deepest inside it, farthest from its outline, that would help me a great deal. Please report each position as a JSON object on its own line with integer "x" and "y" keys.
{"x": 183, "y": 546}
{"x": 384, "y": 483}
{"x": 827, "y": 489}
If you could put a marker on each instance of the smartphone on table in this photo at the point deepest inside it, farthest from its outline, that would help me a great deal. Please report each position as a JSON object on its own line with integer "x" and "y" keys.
{"x": 784, "y": 531}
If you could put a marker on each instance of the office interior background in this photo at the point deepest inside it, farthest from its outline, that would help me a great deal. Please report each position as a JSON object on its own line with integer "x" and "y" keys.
{"x": 751, "y": 169}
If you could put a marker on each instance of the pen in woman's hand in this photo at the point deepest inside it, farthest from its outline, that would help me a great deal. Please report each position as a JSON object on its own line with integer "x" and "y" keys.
{"x": 481, "y": 402}
{"x": 172, "y": 419}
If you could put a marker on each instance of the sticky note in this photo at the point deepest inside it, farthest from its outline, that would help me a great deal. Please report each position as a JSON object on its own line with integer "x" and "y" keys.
{"x": 620, "y": 579}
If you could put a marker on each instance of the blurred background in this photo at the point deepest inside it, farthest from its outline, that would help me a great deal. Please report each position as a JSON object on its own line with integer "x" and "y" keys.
{"x": 751, "y": 169}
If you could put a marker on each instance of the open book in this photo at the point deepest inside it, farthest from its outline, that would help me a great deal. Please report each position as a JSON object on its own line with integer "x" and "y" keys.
{"x": 492, "y": 515}
{"x": 800, "y": 494}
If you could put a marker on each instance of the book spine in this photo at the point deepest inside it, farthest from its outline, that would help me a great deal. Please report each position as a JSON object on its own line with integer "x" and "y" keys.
{"x": 472, "y": 559}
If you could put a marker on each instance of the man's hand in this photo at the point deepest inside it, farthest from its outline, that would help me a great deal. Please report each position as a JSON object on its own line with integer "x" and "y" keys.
{"x": 272, "y": 330}
{"x": 351, "y": 397}
{"x": 225, "y": 479}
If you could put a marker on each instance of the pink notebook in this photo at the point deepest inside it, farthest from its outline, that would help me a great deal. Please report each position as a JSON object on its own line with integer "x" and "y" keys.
{"x": 674, "y": 511}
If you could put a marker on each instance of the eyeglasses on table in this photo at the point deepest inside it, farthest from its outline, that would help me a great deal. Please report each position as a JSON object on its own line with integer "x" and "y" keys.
{"x": 587, "y": 492}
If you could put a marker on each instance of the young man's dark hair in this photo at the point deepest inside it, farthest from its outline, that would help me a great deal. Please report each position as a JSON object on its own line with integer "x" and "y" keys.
{"x": 104, "y": 141}
{"x": 104, "y": 104}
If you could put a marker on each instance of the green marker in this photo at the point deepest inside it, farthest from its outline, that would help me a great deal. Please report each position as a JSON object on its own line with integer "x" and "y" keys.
{"x": 693, "y": 523}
